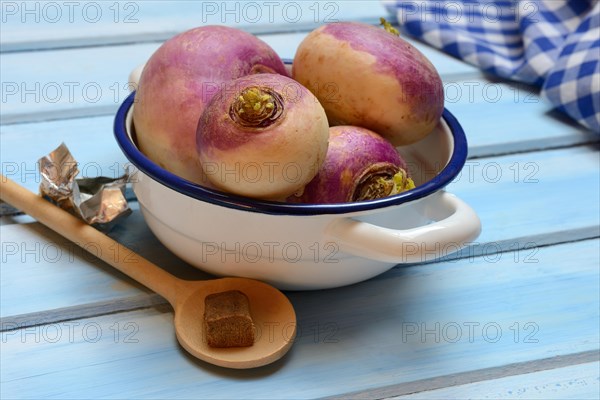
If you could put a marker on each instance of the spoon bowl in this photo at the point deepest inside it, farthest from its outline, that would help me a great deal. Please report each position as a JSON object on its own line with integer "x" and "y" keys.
{"x": 273, "y": 314}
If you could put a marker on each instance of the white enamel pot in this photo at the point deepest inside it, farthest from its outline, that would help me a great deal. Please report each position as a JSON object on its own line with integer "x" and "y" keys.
{"x": 304, "y": 246}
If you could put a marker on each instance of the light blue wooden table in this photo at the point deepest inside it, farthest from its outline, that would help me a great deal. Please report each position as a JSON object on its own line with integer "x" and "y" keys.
{"x": 514, "y": 316}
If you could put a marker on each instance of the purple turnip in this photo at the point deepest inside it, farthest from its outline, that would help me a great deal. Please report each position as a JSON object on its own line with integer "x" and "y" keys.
{"x": 177, "y": 82}
{"x": 366, "y": 76}
{"x": 262, "y": 136}
{"x": 360, "y": 165}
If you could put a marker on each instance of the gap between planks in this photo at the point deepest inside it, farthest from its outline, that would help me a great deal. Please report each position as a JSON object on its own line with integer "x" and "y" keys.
{"x": 464, "y": 378}
{"x": 525, "y": 147}
{"x": 101, "y": 110}
{"x": 145, "y": 38}
{"x": 89, "y": 310}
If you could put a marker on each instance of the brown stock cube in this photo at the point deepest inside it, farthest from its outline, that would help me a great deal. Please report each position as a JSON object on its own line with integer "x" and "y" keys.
{"x": 227, "y": 320}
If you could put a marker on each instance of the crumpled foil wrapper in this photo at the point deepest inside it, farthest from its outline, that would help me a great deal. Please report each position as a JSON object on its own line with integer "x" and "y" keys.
{"x": 98, "y": 201}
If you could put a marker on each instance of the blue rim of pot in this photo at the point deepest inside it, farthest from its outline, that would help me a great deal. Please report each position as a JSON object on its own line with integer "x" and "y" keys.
{"x": 183, "y": 186}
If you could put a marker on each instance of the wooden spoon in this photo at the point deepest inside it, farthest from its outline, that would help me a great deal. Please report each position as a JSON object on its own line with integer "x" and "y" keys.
{"x": 273, "y": 314}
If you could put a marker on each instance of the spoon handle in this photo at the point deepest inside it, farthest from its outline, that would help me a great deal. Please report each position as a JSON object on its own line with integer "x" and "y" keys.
{"x": 82, "y": 234}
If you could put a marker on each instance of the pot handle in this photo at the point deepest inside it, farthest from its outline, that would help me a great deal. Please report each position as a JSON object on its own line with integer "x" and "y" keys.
{"x": 456, "y": 224}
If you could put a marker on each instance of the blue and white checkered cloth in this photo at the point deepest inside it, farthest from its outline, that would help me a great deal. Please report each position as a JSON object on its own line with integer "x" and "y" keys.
{"x": 553, "y": 44}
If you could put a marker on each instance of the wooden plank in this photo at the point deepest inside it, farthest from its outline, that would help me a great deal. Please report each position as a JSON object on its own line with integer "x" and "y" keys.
{"x": 95, "y": 80}
{"x": 90, "y": 141}
{"x": 506, "y": 192}
{"x": 41, "y": 25}
{"x": 508, "y": 224}
{"x": 580, "y": 381}
{"x": 500, "y": 117}
{"x": 418, "y": 323}
{"x": 63, "y": 279}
